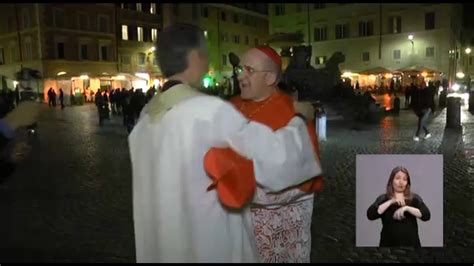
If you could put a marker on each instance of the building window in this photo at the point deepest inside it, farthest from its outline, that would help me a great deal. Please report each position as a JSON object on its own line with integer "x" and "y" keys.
{"x": 176, "y": 10}
{"x": 2, "y": 56}
{"x": 342, "y": 31}
{"x": 366, "y": 28}
{"x": 237, "y": 38}
{"x": 83, "y": 22}
{"x": 225, "y": 37}
{"x": 104, "y": 24}
{"x": 28, "y": 50}
{"x": 26, "y": 18}
{"x": 223, "y": 16}
{"x": 152, "y": 8}
{"x": 194, "y": 11}
{"x": 236, "y": 18}
{"x": 126, "y": 60}
{"x": 429, "y": 21}
{"x": 140, "y": 34}
{"x": 298, "y": 8}
{"x": 320, "y": 60}
{"x": 256, "y": 41}
{"x": 395, "y": 24}
{"x": 224, "y": 60}
{"x": 122, "y": 5}
{"x": 320, "y": 34}
{"x": 103, "y": 53}
{"x": 124, "y": 32}
{"x": 60, "y": 50}
{"x": 204, "y": 12}
{"x": 397, "y": 54}
{"x": 139, "y": 7}
{"x": 319, "y": 5}
{"x": 429, "y": 51}
{"x": 59, "y": 18}
{"x": 141, "y": 58}
{"x": 366, "y": 56}
{"x": 84, "y": 55}
{"x": 11, "y": 23}
{"x": 246, "y": 40}
{"x": 279, "y": 9}
{"x": 154, "y": 34}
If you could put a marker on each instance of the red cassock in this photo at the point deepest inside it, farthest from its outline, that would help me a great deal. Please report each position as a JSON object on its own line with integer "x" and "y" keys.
{"x": 232, "y": 174}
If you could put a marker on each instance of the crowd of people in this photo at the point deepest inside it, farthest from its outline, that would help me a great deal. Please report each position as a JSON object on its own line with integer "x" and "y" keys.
{"x": 127, "y": 103}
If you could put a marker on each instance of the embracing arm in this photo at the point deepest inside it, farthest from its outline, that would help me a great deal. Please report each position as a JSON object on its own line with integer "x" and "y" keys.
{"x": 276, "y": 155}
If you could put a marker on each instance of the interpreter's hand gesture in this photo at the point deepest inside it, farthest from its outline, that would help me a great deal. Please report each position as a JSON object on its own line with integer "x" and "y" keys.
{"x": 399, "y": 200}
{"x": 400, "y": 213}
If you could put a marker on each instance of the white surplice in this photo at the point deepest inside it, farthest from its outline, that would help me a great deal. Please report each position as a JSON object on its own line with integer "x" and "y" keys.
{"x": 175, "y": 218}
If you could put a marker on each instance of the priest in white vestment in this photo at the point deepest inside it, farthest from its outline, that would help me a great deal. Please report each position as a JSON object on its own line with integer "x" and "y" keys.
{"x": 176, "y": 219}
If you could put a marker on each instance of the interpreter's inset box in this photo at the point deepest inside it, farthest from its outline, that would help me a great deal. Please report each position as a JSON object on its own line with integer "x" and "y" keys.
{"x": 399, "y": 200}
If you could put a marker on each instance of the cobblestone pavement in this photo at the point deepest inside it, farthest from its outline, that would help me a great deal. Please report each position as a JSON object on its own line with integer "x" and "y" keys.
{"x": 334, "y": 216}
{"x": 70, "y": 199}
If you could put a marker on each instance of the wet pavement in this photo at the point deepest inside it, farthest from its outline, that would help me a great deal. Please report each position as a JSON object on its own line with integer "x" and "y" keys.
{"x": 334, "y": 215}
{"x": 70, "y": 199}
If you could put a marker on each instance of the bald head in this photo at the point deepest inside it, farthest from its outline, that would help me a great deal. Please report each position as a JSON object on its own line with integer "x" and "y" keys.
{"x": 262, "y": 82}
{"x": 264, "y": 62}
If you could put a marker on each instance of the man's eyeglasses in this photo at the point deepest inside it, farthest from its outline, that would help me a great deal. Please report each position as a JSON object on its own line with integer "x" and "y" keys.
{"x": 240, "y": 70}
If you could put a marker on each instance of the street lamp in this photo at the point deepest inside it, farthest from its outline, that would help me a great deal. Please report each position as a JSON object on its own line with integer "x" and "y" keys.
{"x": 410, "y": 38}
{"x": 468, "y": 81}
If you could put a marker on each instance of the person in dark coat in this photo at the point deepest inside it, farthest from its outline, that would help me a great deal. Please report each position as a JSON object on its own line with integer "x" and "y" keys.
{"x": 17, "y": 95}
{"x": 61, "y": 97}
{"x": 422, "y": 103}
{"x": 102, "y": 107}
{"x": 50, "y": 97}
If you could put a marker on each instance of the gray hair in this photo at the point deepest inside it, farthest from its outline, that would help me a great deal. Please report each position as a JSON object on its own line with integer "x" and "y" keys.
{"x": 174, "y": 44}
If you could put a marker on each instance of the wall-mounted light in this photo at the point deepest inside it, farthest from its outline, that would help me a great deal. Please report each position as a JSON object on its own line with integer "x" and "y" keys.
{"x": 411, "y": 38}
{"x": 468, "y": 50}
{"x": 61, "y": 73}
{"x": 460, "y": 75}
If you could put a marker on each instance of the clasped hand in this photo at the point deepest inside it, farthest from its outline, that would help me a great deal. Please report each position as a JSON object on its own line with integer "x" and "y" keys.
{"x": 400, "y": 212}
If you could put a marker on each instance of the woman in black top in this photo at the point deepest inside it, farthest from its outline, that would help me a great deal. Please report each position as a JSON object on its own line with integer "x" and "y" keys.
{"x": 399, "y": 209}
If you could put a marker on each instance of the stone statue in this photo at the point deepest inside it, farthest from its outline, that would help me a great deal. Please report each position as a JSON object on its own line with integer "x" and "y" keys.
{"x": 312, "y": 83}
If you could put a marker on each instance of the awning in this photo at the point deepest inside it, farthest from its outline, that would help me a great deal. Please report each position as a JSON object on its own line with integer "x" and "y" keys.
{"x": 375, "y": 71}
{"x": 418, "y": 69}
